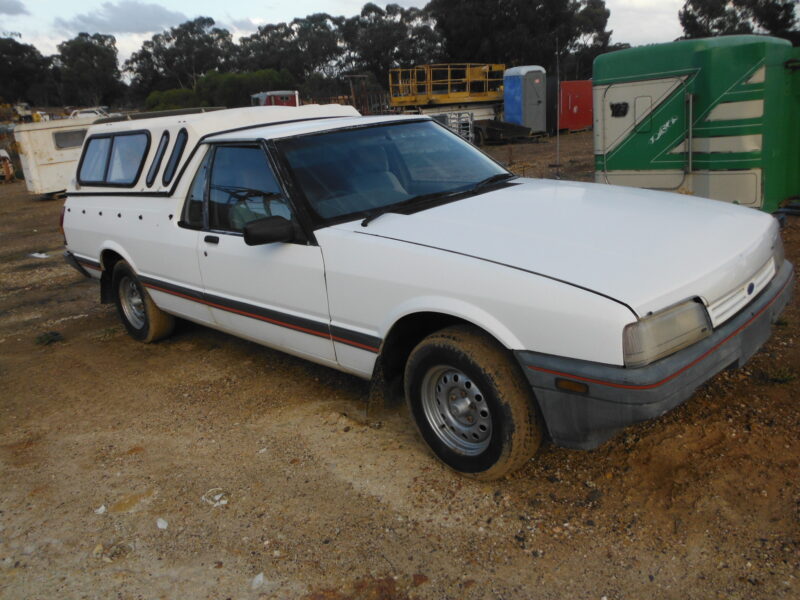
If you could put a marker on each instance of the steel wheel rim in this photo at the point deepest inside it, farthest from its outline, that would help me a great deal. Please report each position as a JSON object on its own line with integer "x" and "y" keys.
{"x": 132, "y": 302}
{"x": 456, "y": 410}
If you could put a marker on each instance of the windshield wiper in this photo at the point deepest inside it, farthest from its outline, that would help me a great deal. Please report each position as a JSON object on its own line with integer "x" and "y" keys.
{"x": 493, "y": 179}
{"x": 372, "y": 215}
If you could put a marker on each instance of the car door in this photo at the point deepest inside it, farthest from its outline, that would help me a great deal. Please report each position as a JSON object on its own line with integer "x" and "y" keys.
{"x": 168, "y": 261}
{"x": 275, "y": 293}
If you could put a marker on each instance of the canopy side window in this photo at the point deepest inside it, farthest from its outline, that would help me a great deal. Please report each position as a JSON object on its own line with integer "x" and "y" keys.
{"x": 114, "y": 160}
{"x": 156, "y": 165}
{"x": 175, "y": 157}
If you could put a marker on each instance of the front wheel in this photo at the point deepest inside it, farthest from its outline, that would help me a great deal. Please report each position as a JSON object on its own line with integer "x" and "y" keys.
{"x": 471, "y": 404}
{"x": 141, "y": 317}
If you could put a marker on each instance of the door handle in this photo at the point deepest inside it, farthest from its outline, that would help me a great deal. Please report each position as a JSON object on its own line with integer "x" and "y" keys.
{"x": 211, "y": 239}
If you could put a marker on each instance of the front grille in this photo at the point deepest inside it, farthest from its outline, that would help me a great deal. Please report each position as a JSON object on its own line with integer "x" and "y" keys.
{"x": 730, "y": 304}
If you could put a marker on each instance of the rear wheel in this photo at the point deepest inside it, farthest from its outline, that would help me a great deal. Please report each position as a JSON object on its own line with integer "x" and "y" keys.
{"x": 141, "y": 317}
{"x": 471, "y": 403}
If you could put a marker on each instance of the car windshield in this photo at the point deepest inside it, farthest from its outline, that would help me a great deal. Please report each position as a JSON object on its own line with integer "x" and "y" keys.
{"x": 366, "y": 170}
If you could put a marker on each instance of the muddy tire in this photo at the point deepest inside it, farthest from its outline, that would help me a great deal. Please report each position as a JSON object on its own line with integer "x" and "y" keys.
{"x": 471, "y": 403}
{"x": 142, "y": 318}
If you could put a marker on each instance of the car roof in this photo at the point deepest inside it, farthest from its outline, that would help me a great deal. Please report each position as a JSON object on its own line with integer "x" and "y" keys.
{"x": 198, "y": 126}
{"x": 296, "y": 128}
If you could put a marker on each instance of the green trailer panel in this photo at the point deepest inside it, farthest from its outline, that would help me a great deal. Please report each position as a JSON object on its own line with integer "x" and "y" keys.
{"x": 716, "y": 117}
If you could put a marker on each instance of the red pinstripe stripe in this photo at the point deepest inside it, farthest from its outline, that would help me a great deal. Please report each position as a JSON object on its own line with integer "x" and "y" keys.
{"x": 352, "y": 343}
{"x": 262, "y": 318}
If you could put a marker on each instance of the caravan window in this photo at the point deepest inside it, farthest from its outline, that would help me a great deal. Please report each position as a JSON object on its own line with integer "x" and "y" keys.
{"x": 69, "y": 139}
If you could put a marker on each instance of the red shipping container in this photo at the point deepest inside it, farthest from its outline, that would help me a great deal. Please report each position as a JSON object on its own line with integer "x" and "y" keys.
{"x": 276, "y": 98}
{"x": 575, "y": 111}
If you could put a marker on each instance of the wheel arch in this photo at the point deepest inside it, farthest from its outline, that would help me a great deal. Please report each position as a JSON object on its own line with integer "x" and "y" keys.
{"x": 109, "y": 257}
{"x": 403, "y": 336}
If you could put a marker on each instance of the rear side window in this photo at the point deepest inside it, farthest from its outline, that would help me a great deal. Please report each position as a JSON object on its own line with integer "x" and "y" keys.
{"x": 95, "y": 158}
{"x": 162, "y": 148}
{"x": 69, "y": 139}
{"x": 114, "y": 160}
{"x": 175, "y": 157}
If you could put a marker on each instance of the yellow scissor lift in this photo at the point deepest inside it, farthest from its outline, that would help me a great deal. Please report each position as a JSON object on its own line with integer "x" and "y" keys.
{"x": 467, "y": 97}
{"x": 453, "y": 83}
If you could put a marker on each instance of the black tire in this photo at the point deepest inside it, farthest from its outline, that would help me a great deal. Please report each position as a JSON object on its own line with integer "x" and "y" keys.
{"x": 477, "y": 137}
{"x": 142, "y": 318}
{"x": 471, "y": 404}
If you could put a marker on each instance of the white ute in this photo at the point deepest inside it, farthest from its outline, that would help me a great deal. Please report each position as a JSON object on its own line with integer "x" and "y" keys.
{"x": 503, "y": 308}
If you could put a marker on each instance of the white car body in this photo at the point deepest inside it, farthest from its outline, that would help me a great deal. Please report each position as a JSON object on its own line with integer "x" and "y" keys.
{"x": 549, "y": 269}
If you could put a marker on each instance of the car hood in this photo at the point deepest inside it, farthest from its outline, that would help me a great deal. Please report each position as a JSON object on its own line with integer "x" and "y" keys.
{"x": 645, "y": 249}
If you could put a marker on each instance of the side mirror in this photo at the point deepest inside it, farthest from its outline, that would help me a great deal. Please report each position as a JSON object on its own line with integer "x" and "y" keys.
{"x": 268, "y": 231}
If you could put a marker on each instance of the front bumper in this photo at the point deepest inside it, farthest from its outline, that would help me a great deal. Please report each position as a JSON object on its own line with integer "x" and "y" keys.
{"x": 617, "y": 397}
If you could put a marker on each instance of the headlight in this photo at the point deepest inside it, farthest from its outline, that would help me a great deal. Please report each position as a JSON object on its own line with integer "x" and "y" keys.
{"x": 778, "y": 254}
{"x": 660, "y": 334}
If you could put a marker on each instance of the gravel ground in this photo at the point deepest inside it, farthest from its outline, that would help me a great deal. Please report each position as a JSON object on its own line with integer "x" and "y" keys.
{"x": 205, "y": 466}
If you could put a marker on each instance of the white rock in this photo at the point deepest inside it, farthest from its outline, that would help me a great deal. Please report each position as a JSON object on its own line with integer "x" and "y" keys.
{"x": 257, "y": 582}
{"x": 161, "y": 523}
{"x": 101, "y": 510}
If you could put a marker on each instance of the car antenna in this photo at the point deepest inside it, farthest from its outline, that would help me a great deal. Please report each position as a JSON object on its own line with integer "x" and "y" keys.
{"x": 558, "y": 113}
{"x": 557, "y": 165}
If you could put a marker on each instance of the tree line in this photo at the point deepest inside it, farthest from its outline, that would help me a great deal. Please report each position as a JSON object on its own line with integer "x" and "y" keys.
{"x": 199, "y": 63}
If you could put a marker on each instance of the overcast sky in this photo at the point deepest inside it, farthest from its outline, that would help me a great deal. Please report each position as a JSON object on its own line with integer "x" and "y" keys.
{"x": 45, "y": 23}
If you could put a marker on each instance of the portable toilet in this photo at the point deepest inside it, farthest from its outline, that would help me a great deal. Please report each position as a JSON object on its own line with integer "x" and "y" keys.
{"x": 715, "y": 117}
{"x": 524, "y": 97}
{"x": 575, "y": 105}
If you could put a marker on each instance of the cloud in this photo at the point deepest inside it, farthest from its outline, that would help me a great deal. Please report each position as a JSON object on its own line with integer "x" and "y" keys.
{"x": 13, "y": 7}
{"x": 246, "y": 24}
{"x": 644, "y": 21}
{"x": 125, "y": 16}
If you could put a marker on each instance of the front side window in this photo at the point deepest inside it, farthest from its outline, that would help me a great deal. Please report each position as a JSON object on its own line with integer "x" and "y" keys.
{"x": 193, "y": 209}
{"x": 243, "y": 188}
{"x": 367, "y": 169}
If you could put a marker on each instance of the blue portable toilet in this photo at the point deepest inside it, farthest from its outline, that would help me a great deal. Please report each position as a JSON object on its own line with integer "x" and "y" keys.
{"x": 524, "y": 97}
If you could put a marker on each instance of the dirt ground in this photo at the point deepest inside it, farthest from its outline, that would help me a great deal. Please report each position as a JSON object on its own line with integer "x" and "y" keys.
{"x": 205, "y": 466}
